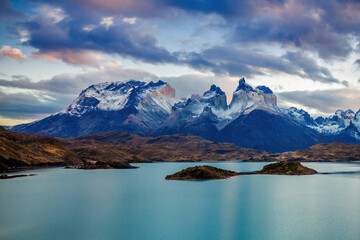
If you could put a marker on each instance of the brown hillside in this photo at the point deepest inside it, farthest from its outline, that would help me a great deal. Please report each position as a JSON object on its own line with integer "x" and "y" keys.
{"x": 21, "y": 150}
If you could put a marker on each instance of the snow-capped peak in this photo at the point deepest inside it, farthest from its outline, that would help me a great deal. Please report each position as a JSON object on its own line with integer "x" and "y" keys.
{"x": 214, "y": 90}
{"x": 246, "y": 99}
{"x": 114, "y": 96}
{"x": 354, "y": 127}
{"x": 334, "y": 124}
{"x": 215, "y": 97}
{"x": 300, "y": 116}
{"x": 348, "y": 114}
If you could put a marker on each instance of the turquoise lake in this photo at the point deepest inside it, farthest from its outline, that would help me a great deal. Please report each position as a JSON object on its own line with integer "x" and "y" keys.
{"x": 140, "y": 204}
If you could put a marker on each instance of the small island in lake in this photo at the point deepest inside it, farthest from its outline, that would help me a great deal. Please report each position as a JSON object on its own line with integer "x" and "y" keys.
{"x": 201, "y": 173}
{"x": 206, "y": 172}
{"x": 286, "y": 168}
{"x": 106, "y": 165}
{"x": 15, "y": 176}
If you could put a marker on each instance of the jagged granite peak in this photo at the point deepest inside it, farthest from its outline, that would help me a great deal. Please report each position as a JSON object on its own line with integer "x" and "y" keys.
{"x": 210, "y": 113}
{"x": 336, "y": 123}
{"x": 344, "y": 126}
{"x": 244, "y": 86}
{"x": 264, "y": 89}
{"x": 215, "y": 97}
{"x": 246, "y": 99}
{"x": 214, "y": 90}
{"x": 348, "y": 114}
{"x": 354, "y": 127}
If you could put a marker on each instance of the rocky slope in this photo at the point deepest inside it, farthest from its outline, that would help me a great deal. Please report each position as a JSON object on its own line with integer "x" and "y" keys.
{"x": 134, "y": 106}
{"x": 168, "y": 148}
{"x": 21, "y": 150}
{"x": 268, "y": 131}
{"x": 325, "y": 152}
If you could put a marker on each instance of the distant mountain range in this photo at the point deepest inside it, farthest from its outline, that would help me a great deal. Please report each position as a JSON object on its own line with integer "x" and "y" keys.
{"x": 251, "y": 120}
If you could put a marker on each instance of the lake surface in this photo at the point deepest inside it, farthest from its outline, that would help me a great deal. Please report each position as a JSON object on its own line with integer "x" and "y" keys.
{"x": 139, "y": 204}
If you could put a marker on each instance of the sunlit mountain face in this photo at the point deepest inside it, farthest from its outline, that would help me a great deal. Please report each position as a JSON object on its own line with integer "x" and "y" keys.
{"x": 306, "y": 52}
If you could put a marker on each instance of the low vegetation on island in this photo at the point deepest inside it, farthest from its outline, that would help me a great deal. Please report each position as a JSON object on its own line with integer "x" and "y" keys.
{"x": 206, "y": 172}
{"x": 201, "y": 173}
{"x": 286, "y": 168}
{"x": 106, "y": 165}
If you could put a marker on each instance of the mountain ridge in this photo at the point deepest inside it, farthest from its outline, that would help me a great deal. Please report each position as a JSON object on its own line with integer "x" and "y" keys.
{"x": 152, "y": 109}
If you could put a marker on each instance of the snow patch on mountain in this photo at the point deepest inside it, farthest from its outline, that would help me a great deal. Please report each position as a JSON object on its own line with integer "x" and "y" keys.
{"x": 334, "y": 124}
{"x": 246, "y": 99}
{"x": 114, "y": 96}
{"x": 331, "y": 125}
{"x": 300, "y": 116}
{"x": 211, "y": 109}
{"x": 356, "y": 126}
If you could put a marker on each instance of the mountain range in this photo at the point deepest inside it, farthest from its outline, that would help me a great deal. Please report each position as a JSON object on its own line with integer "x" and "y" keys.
{"x": 251, "y": 120}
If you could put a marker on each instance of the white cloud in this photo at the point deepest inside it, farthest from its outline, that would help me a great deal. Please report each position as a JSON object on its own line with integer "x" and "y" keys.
{"x": 129, "y": 20}
{"x": 88, "y": 28}
{"x": 24, "y": 35}
{"x": 54, "y": 14}
{"x": 107, "y": 21}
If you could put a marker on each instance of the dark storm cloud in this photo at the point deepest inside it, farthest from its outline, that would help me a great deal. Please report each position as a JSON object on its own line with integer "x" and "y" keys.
{"x": 357, "y": 63}
{"x": 59, "y": 38}
{"x": 321, "y": 27}
{"x": 311, "y": 69}
{"x": 327, "y": 101}
{"x": 37, "y": 99}
{"x": 224, "y": 60}
{"x": 73, "y": 84}
{"x": 302, "y": 34}
{"x": 7, "y": 11}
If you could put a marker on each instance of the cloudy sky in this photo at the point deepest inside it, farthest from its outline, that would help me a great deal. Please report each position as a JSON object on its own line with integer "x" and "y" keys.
{"x": 307, "y": 52}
